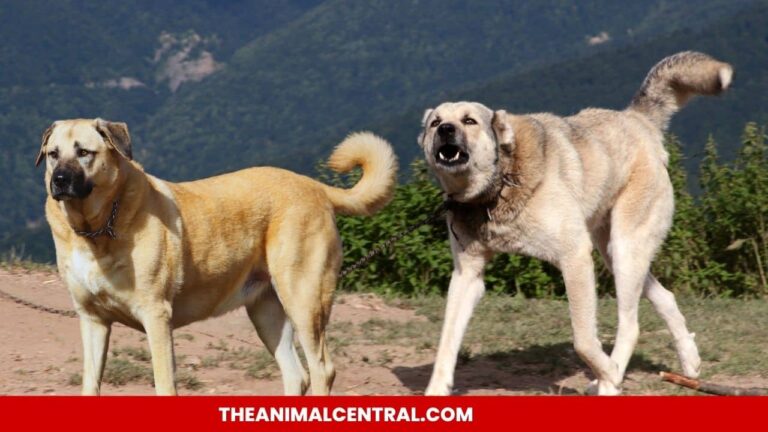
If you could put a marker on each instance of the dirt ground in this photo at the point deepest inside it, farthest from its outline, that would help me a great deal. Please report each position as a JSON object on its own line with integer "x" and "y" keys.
{"x": 369, "y": 339}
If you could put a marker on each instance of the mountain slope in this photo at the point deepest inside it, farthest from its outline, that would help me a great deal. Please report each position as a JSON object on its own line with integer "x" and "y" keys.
{"x": 76, "y": 41}
{"x": 74, "y": 58}
{"x": 288, "y": 97}
{"x": 609, "y": 79}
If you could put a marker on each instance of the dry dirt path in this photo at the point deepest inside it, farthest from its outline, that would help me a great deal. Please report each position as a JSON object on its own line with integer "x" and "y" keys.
{"x": 40, "y": 353}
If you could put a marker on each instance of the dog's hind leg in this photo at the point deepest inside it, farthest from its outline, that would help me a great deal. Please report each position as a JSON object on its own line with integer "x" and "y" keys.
{"x": 95, "y": 333}
{"x": 313, "y": 341}
{"x": 630, "y": 261}
{"x": 640, "y": 220}
{"x": 664, "y": 302}
{"x": 304, "y": 262}
{"x": 627, "y": 294}
{"x": 579, "y": 275}
{"x": 309, "y": 311}
{"x": 628, "y": 265}
{"x": 464, "y": 292}
{"x": 275, "y": 330}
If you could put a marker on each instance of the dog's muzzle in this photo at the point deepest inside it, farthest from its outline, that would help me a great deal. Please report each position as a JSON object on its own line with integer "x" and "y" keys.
{"x": 449, "y": 151}
{"x": 68, "y": 183}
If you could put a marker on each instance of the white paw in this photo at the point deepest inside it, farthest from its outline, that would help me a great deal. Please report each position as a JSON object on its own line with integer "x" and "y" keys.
{"x": 435, "y": 389}
{"x": 689, "y": 357}
{"x": 602, "y": 388}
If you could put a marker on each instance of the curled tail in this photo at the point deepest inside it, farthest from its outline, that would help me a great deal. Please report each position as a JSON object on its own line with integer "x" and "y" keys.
{"x": 374, "y": 190}
{"x": 676, "y": 79}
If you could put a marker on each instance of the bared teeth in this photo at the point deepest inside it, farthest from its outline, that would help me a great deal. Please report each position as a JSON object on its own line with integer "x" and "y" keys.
{"x": 450, "y": 156}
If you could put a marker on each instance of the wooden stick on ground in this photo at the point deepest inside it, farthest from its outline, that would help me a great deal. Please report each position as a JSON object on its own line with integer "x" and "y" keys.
{"x": 710, "y": 388}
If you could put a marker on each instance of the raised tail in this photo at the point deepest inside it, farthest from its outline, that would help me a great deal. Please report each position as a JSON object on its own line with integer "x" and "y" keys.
{"x": 374, "y": 190}
{"x": 676, "y": 79}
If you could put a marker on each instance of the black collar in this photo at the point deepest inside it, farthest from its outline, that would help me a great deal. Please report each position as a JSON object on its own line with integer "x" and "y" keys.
{"x": 108, "y": 229}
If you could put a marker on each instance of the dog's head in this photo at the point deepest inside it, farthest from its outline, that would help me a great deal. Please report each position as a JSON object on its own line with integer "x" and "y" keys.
{"x": 83, "y": 155}
{"x": 461, "y": 143}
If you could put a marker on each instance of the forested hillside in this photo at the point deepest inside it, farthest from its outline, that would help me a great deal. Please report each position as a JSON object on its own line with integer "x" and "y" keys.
{"x": 288, "y": 97}
{"x": 117, "y": 60}
{"x": 210, "y": 86}
{"x": 610, "y": 78}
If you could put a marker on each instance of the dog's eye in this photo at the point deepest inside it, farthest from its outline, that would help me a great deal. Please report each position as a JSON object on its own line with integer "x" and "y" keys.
{"x": 83, "y": 153}
{"x": 53, "y": 154}
{"x": 469, "y": 121}
{"x": 434, "y": 123}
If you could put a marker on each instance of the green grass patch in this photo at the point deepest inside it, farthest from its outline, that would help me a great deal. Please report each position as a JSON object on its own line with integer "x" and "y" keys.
{"x": 536, "y": 336}
{"x": 257, "y": 364}
{"x": 121, "y": 371}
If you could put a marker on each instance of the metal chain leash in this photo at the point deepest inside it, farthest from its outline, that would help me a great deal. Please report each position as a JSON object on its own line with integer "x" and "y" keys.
{"x": 107, "y": 230}
{"x": 29, "y": 304}
{"x": 392, "y": 240}
{"x": 347, "y": 270}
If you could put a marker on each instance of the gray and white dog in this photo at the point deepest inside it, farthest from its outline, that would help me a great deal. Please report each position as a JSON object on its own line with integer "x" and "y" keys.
{"x": 557, "y": 187}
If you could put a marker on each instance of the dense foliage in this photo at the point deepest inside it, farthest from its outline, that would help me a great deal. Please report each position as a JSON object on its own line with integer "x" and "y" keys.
{"x": 718, "y": 245}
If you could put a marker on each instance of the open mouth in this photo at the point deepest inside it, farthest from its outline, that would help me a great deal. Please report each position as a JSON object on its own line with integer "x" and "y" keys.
{"x": 451, "y": 155}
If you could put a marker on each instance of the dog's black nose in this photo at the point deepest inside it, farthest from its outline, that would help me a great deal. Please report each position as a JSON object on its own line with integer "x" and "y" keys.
{"x": 69, "y": 182}
{"x": 61, "y": 180}
{"x": 446, "y": 129}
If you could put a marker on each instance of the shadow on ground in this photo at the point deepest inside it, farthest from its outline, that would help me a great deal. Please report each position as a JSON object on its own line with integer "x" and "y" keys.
{"x": 534, "y": 369}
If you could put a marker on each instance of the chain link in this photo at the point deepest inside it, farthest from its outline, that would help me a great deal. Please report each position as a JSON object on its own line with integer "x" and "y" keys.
{"x": 390, "y": 241}
{"x": 29, "y": 304}
{"x": 108, "y": 229}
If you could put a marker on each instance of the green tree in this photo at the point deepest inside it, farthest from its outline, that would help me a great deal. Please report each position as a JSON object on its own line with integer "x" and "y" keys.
{"x": 735, "y": 205}
{"x": 684, "y": 262}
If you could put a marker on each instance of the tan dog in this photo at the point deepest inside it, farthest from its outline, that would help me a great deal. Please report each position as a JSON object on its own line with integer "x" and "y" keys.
{"x": 156, "y": 255}
{"x": 555, "y": 188}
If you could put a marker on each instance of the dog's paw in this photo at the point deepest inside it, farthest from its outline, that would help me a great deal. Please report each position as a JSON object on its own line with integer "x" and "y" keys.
{"x": 435, "y": 389}
{"x": 602, "y": 388}
{"x": 689, "y": 357}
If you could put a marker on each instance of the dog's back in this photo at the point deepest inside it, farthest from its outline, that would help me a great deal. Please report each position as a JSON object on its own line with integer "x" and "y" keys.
{"x": 598, "y": 150}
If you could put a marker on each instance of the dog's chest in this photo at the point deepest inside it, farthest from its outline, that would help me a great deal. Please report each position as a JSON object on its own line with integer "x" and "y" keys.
{"x": 501, "y": 237}
{"x": 83, "y": 272}
{"x": 495, "y": 231}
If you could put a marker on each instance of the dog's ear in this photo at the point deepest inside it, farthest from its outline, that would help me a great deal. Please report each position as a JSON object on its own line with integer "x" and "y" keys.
{"x": 502, "y": 128}
{"x": 424, "y": 118}
{"x": 44, "y": 144}
{"x": 116, "y": 135}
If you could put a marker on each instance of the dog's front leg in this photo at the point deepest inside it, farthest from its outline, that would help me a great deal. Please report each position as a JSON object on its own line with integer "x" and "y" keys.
{"x": 157, "y": 324}
{"x": 95, "y": 334}
{"x": 464, "y": 292}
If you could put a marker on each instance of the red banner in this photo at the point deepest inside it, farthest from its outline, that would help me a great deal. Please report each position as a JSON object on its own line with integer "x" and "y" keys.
{"x": 116, "y": 413}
